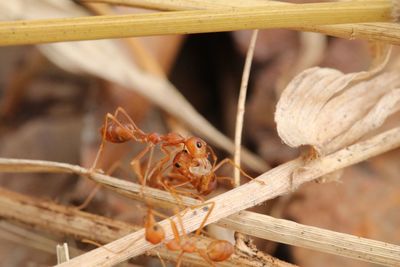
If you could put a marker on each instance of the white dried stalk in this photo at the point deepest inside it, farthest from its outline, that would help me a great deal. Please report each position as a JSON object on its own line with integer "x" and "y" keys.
{"x": 267, "y": 186}
{"x": 241, "y": 105}
{"x": 315, "y": 238}
{"x": 62, "y": 253}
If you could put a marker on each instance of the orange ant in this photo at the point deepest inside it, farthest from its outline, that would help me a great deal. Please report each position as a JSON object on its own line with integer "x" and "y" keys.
{"x": 216, "y": 251}
{"x": 116, "y": 131}
{"x": 199, "y": 174}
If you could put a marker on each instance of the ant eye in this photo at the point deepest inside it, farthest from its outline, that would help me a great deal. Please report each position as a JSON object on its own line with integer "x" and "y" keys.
{"x": 177, "y": 165}
{"x": 199, "y": 144}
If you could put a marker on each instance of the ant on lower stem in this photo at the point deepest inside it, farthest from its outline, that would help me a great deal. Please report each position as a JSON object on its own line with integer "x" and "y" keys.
{"x": 216, "y": 251}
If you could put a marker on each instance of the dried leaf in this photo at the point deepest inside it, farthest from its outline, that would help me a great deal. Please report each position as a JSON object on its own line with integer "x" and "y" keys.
{"x": 328, "y": 110}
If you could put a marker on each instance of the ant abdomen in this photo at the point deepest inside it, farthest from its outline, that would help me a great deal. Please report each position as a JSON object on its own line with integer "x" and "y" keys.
{"x": 219, "y": 250}
{"x": 117, "y": 134}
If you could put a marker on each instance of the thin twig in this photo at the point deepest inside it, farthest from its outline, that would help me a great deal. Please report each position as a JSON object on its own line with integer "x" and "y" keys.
{"x": 241, "y": 105}
{"x": 196, "y": 21}
{"x": 314, "y": 238}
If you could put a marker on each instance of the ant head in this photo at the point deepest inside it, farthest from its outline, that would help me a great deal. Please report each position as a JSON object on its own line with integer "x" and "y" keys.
{"x": 219, "y": 250}
{"x": 181, "y": 162}
{"x": 154, "y": 233}
{"x": 196, "y": 147}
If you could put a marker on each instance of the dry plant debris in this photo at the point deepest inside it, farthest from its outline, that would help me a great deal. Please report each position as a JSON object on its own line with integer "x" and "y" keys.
{"x": 321, "y": 107}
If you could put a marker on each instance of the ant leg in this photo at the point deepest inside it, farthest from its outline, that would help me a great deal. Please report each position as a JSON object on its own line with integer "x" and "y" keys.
{"x": 135, "y": 164}
{"x": 122, "y": 111}
{"x": 227, "y": 160}
{"x": 101, "y": 147}
{"x": 172, "y": 189}
{"x": 214, "y": 156}
{"x": 179, "y": 261}
{"x": 96, "y": 188}
{"x": 160, "y": 167}
{"x": 89, "y": 198}
{"x": 210, "y": 209}
{"x": 203, "y": 254}
{"x": 161, "y": 260}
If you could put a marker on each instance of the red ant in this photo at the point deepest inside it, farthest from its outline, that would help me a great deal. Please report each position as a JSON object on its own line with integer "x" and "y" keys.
{"x": 115, "y": 131}
{"x": 216, "y": 251}
{"x": 199, "y": 174}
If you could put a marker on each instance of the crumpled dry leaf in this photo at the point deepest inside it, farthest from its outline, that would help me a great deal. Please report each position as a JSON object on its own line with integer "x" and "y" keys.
{"x": 328, "y": 110}
{"x": 109, "y": 60}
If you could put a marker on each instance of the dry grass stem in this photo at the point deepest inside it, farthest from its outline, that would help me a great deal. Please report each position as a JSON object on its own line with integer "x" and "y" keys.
{"x": 241, "y": 105}
{"x": 184, "y": 4}
{"x": 383, "y": 32}
{"x": 17, "y": 234}
{"x": 55, "y": 218}
{"x": 315, "y": 238}
{"x": 197, "y": 21}
{"x": 267, "y": 186}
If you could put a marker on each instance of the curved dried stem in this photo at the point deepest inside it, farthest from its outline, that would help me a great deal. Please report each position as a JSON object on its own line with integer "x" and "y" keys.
{"x": 241, "y": 105}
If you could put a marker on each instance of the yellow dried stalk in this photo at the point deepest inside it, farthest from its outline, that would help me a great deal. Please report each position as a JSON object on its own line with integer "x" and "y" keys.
{"x": 385, "y": 32}
{"x": 177, "y": 5}
{"x": 197, "y": 21}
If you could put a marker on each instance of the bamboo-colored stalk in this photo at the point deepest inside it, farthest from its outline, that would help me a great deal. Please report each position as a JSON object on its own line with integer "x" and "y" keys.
{"x": 274, "y": 183}
{"x": 384, "y": 32}
{"x": 197, "y": 21}
{"x": 180, "y": 5}
{"x": 51, "y": 217}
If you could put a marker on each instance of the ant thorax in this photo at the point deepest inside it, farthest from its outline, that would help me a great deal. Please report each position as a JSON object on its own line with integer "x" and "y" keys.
{"x": 203, "y": 167}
